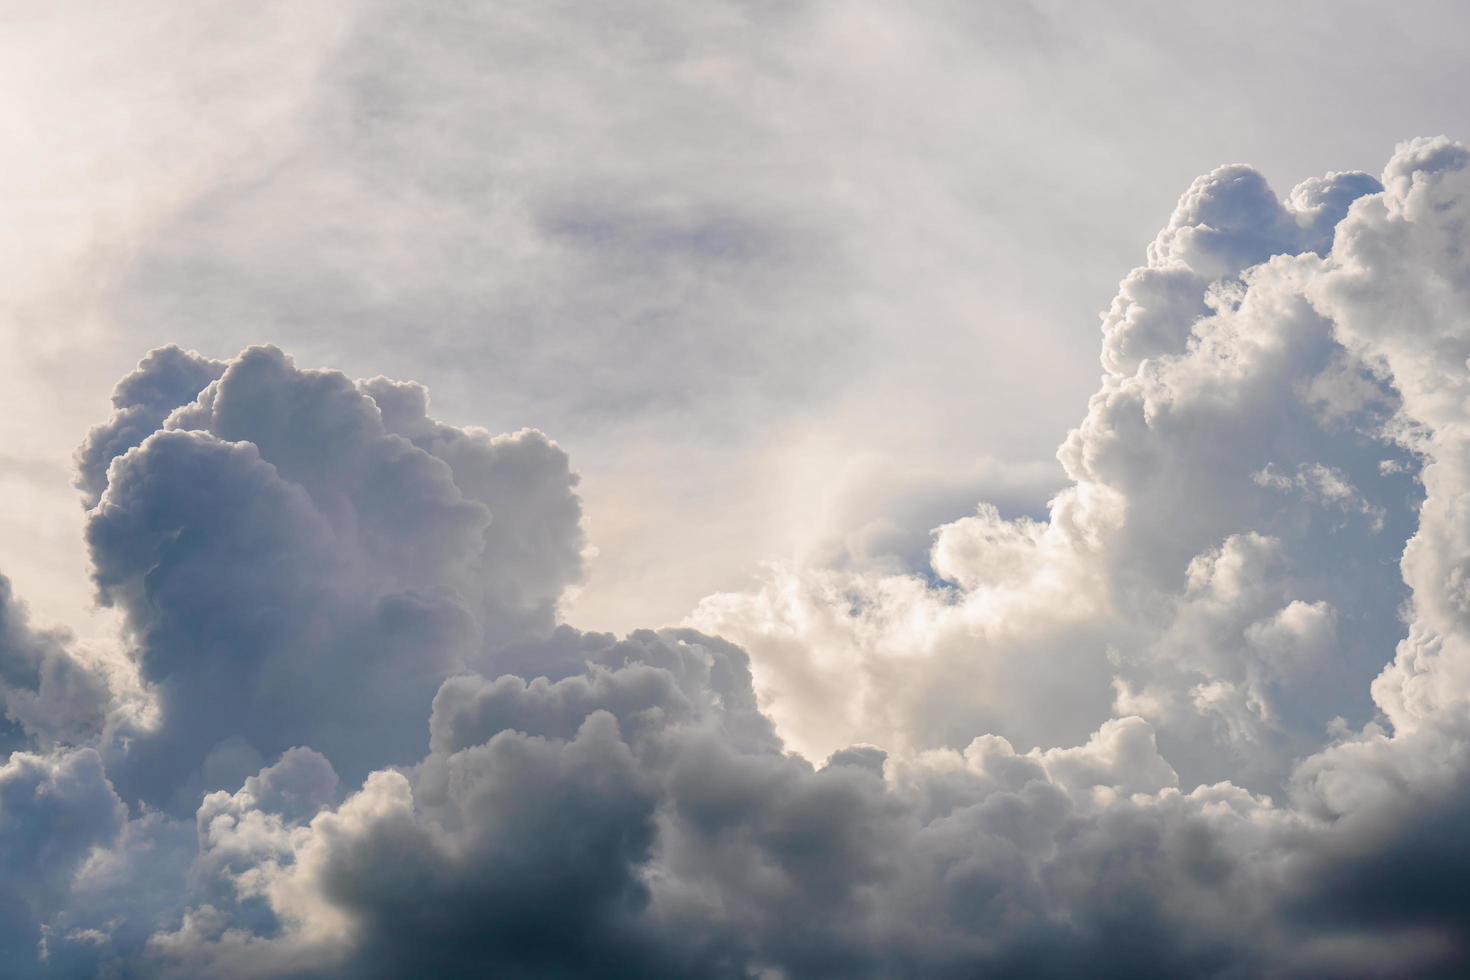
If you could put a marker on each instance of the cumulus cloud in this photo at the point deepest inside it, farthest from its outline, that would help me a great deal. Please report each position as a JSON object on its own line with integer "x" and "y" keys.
{"x": 1134, "y": 738}
{"x": 300, "y": 560}
{"x": 1230, "y": 465}
{"x": 54, "y": 810}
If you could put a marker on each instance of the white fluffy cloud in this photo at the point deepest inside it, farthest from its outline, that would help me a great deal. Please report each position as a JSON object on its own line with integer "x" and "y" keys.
{"x": 1231, "y": 520}
{"x": 1135, "y": 738}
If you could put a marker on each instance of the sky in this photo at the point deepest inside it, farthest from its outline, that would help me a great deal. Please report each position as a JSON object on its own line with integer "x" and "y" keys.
{"x": 734, "y": 489}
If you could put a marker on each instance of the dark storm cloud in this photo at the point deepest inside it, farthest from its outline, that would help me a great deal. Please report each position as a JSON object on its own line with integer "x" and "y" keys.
{"x": 598, "y": 830}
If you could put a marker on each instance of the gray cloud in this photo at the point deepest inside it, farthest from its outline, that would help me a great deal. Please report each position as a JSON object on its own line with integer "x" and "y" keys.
{"x": 54, "y": 809}
{"x": 358, "y": 742}
{"x": 297, "y": 565}
{"x": 50, "y": 696}
{"x": 617, "y": 838}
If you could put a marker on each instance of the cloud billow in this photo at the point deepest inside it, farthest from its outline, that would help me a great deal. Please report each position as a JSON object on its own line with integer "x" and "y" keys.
{"x": 351, "y": 737}
{"x": 298, "y": 564}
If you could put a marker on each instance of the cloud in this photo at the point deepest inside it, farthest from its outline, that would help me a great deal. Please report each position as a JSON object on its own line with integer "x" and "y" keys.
{"x": 54, "y": 809}
{"x": 633, "y": 842}
{"x": 712, "y": 256}
{"x": 1133, "y": 738}
{"x": 1230, "y": 467}
{"x": 301, "y": 560}
{"x": 50, "y": 695}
